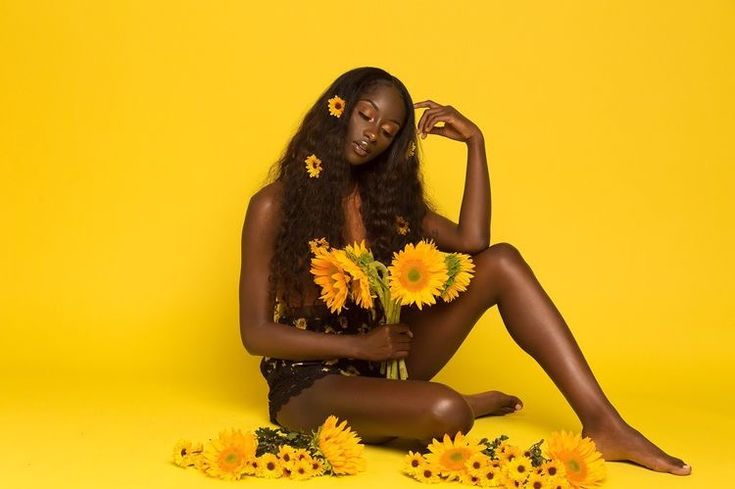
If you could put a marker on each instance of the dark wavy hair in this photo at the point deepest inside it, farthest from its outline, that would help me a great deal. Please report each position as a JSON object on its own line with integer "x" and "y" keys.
{"x": 390, "y": 185}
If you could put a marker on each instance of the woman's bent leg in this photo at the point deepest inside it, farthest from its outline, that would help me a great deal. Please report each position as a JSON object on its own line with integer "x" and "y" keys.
{"x": 380, "y": 409}
{"x": 504, "y": 278}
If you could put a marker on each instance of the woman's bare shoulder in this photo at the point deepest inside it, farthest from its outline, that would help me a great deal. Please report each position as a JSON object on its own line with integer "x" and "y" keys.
{"x": 266, "y": 200}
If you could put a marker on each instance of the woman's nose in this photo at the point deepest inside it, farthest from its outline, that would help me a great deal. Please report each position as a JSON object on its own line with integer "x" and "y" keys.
{"x": 370, "y": 133}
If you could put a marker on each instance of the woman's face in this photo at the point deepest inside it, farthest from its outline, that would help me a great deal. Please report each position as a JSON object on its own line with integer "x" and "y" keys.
{"x": 377, "y": 117}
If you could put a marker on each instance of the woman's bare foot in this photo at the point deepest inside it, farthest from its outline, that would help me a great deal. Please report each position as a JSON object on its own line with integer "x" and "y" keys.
{"x": 493, "y": 403}
{"x": 620, "y": 441}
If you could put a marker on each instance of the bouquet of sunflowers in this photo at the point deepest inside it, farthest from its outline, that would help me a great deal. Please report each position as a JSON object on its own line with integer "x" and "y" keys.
{"x": 567, "y": 461}
{"x": 417, "y": 275}
{"x": 334, "y": 449}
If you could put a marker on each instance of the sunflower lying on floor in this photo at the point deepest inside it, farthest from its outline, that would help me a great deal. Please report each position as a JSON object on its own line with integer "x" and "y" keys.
{"x": 572, "y": 462}
{"x": 272, "y": 453}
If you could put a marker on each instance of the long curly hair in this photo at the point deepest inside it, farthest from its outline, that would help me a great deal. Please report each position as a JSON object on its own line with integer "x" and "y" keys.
{"x": 390, "y": 185}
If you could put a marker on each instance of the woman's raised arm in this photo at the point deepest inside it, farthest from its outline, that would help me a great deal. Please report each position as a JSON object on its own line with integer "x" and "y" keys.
{"x": 472, "y": 233}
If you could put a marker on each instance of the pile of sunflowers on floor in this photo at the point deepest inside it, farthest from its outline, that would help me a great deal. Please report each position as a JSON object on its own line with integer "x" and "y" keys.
{"x": 570, "y": 462}
{"x": 566, "y": 461}
{"x": 334, "y": 449}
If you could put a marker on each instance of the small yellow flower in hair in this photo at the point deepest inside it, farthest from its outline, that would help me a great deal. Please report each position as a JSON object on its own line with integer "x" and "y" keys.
{"x": 313, "y": 166}
{"x": 320, "y": 244}
{"x": 336, "y": 106}
{"x": 402, "y": 226}
{"x": 411, "y": 150}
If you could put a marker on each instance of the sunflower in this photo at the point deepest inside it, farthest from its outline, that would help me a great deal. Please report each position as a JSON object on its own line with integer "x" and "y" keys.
{"x": 313, "y": 166}
{"x": 584, "y": 465}
{"x": 329, "y": 273}
{"x": 459, "y": 268}
{"x": 336, "y": 106}
{"x": 450, "y": 455}
{"x": 300, "y": 454}
{"x": 411, "y": 150}
{"x": 301, "y": 470}
{"x": 355, "y": 259}
{"x": 427, "y": 472}
{"x": 402, "y": 226}
{"x": 317, "y": 467}
{"x": 538, "y": 481}
{"x": 519, "y": 468}
{"x": 318, "y": 244}
{"x": 269, "y": 466}
{"x": 227, "y": 456}
{"x": 552, "y": 468}
{"x": 507, "y": 452}
{"x": 185, "y": 453}
{"x": 340, "y": 446}
{"x": 300, "y": 323}
{"x": 491, "y": 476}
{"x": 471, "y": 479}
{"x": 411, "y": 462}
{"x": 417, "y": 274}
{"x": 285, "y": 455}
{"x": 252, "y": 466}
{"x": 477, "y": 463}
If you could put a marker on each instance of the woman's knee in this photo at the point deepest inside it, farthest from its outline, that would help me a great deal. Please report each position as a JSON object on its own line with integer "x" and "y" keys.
{"x": 447, "y": 412}
{"x": 503, "y": 256}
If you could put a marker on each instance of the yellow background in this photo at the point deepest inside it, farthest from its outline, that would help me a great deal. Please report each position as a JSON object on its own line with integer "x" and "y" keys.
{"x": 133, "y": 133}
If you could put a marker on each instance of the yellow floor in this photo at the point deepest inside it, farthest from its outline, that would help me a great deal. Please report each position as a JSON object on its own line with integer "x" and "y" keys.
{"x": 84, "y": 433}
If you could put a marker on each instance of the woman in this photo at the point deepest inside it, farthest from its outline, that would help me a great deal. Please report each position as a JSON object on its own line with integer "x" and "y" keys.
{"x": 350, "y": 173}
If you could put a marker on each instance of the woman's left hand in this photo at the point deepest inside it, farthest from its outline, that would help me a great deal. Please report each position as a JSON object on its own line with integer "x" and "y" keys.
{"x": 456, "y": 126}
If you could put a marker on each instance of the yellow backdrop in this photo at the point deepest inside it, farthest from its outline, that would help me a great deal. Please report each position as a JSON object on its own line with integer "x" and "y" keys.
{"x": 133, "y": 133}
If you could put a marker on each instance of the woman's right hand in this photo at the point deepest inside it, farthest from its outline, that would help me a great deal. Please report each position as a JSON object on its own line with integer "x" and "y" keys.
{"x": 385, "y": 342}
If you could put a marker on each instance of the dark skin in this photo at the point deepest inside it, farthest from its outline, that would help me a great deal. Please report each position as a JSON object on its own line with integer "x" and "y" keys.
{"x": 419, "y": 409}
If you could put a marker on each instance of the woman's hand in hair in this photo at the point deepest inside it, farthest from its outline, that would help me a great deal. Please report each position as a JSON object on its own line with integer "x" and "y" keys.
{"x": 456, "y": 126}
{"x": 384, "y": 342}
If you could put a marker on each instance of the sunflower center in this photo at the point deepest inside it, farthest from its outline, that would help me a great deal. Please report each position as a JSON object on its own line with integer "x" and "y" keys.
{"x": 231, "y": 458}
{"x": 573, "y": 465}
{"x": 413, "y": 275}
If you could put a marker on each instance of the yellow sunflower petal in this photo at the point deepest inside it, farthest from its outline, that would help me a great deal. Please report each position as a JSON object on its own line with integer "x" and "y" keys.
{"x": 349, "y": 259}
{"x": 331, "y": 276}
{"x": 583, "y": 464}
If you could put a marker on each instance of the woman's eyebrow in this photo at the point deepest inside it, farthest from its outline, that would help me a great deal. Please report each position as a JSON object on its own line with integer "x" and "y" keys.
{"x": 378, "y": 109}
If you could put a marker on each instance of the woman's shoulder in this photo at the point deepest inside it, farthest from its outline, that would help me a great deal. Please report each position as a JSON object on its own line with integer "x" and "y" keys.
{"x": 267, "y": 199}
{"x": 264, "y": 206}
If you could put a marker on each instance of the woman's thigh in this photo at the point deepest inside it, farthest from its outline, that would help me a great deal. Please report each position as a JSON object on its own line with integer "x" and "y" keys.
{"x": 379, "y": 409}
{"x": 439, "y": 330}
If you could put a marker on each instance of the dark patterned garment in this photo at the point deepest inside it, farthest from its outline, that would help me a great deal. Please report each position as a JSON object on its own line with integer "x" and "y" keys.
{"x": 287, "y": 378}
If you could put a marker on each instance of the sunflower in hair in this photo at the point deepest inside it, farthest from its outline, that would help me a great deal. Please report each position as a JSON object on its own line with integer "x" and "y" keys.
{"x": 336, "y": 106}
{"x": 313, "y": 166}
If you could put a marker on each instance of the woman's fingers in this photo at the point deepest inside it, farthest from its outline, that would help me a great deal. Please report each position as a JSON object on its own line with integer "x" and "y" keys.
{"x": 425, "y": 103}
{"x": 433, "y": 108}
{"x": 440, "y": 115}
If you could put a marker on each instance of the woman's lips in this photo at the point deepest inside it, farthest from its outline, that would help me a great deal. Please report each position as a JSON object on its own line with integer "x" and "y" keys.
{"x": 358, "y": 149}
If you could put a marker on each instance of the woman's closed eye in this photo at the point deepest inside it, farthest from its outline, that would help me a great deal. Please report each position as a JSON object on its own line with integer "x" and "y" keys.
{"x": 367, "y": 118}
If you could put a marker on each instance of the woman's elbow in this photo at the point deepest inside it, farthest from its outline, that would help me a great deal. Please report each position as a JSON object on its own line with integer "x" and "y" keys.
{"x": 477, "y": 244}
{"x": 249, "y": 337}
